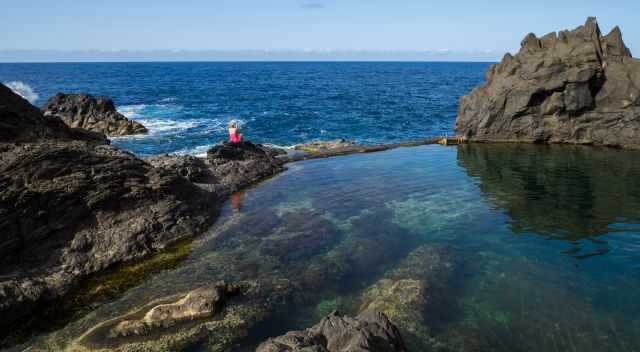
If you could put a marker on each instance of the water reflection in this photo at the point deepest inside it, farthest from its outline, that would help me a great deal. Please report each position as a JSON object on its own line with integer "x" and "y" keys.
{"x": 571, "y": 193}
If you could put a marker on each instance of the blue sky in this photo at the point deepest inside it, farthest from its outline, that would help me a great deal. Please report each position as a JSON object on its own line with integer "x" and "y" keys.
{"x": 409, "y": 25}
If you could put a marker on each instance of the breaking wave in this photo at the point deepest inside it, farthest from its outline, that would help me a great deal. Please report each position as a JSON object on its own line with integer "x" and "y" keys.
{"x": 24, "y": 90}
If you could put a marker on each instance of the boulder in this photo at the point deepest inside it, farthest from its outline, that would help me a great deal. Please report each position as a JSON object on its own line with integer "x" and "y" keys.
{"x": 576, "y": 87}
{"x": 368, "y": 332}
{"x": 91, "y": 113}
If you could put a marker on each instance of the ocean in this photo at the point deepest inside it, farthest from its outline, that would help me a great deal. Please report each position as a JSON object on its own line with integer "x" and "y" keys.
{"x": 186, "y": 106}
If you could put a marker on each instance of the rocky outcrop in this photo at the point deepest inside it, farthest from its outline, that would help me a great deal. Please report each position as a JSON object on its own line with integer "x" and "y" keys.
{"x": 91, "y": 113}
{"x": 71, "y": 205}
{"x": 577, "y": 87}
{"x": 21, "y": 122}
{"x": 368, "y": 332}
{"x": 236, "y": 165}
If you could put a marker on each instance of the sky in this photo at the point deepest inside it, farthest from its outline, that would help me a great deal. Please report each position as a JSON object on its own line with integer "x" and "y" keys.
{"x": 468, "y": 28}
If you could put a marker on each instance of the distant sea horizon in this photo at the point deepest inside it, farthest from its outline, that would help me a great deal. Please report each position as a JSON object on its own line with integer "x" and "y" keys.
{"x": 74, "y": 56}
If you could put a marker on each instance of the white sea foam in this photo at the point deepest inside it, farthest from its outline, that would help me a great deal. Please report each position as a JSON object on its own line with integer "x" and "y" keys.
{"x": 199, "y": 151}
{"x": 23, "y": 90}
{"x": 131, "y": 111}
{"x": 169, "y": 100}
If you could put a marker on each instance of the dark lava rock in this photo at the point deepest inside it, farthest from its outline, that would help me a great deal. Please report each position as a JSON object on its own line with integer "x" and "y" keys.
{"x": 236, "y": 165}
{"x": 577, "y": 87}
{"x": 96, "y": 114}
{"x": 190, "y": 167}
{"x": 21, "y": 122}
{"x": 369, "y": 331}
{"x": 71, "y": 205}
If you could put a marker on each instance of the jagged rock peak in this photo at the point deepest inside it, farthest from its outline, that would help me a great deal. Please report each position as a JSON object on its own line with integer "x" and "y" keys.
{"x": 573, "y": 86}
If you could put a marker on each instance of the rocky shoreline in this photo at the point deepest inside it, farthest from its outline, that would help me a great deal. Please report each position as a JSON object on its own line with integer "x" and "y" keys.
{"x": 72, "y": 205}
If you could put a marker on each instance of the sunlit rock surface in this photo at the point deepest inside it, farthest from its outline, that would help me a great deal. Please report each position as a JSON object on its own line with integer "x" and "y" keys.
{"x": 577, "y": 87}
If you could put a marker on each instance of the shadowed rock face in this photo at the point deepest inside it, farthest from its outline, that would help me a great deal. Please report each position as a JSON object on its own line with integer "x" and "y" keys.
{"x": 577, "y": 87}
{"x": 368, "y": 332}
{"x": 21, "y": 122}
{"x": 96, "y": 114}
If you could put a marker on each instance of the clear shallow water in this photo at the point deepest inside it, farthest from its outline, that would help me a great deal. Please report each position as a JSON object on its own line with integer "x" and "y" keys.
{"x": 186, "y": 106}
{"x": 523, "y": 222}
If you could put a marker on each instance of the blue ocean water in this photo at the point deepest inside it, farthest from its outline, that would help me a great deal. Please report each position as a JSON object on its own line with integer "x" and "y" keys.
{"x": 186, "y": 106}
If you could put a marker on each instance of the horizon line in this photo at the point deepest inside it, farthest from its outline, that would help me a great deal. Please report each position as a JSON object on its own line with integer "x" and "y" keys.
{"x": 259, "y": 55}
{"x": 247, "y": 61}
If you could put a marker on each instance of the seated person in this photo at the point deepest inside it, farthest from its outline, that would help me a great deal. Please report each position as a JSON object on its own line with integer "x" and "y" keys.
{"x": 234, "y": 132}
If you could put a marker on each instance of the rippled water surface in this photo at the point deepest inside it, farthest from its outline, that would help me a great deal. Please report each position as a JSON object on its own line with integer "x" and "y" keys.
{"x": 186, "y": 106}
{"x": 545, "y": 243}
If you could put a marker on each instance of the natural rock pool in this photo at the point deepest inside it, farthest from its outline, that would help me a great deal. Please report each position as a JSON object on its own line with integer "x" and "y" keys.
{"x": 470, "y": 248}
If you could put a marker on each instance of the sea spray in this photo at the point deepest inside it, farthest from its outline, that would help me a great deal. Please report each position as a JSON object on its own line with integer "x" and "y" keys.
{"x": 23, "y": 90}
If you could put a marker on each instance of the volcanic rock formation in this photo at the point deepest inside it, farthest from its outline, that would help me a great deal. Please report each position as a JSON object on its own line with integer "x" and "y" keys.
{"x": 96, "y": 114}
{"x": 577, "y": 87}
{"x": 71, "y": 205}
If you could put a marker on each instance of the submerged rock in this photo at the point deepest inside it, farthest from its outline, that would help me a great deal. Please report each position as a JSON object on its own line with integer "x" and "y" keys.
{"x": 96, "y": 114}
{"x": 199, "y": 303}
{"x": 214, "y": 315}
{"x": 577, "y": 87}
{"x": 305, "y": 234}
{"x": 321, "y": 146}
{"x": 369, "y": 331}
{"x": 413, "y": 293}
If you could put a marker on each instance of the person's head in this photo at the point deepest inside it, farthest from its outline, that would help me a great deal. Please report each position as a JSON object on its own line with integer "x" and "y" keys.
{"x": 233, "y": 124}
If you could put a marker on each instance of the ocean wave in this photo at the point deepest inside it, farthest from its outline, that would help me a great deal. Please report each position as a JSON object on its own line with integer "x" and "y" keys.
{"x": 24, "y": 90}
{"x": 161, "y": 125}
{"x": 149, "y": 110}
{"x": 169, "y": 100}
{"x": 199, "y": 151}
